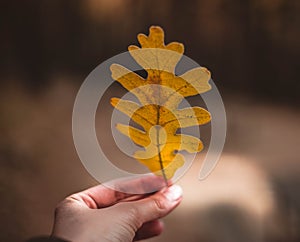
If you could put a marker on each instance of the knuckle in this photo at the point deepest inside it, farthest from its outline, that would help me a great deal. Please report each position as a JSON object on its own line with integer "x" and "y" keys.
{"x": 158, "y": 205}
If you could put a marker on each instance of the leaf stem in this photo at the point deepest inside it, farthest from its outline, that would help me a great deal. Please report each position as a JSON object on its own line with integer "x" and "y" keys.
{"x": 158, "y": 147}
{"x": 162, "y": 167}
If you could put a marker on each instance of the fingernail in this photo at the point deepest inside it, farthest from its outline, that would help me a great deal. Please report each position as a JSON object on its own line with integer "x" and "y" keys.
{"x": 173, "y": 193}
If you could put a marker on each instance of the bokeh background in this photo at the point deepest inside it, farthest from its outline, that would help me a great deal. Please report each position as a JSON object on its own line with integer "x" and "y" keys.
{"x": 251, "y": 47}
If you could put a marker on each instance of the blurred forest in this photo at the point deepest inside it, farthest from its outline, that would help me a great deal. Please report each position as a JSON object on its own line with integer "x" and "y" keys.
{"x": 48, "y": 47}
{"x": 251, "y": 46}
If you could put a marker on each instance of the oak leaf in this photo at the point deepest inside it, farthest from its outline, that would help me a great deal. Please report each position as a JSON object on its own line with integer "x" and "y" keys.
{"x": 159, "y": 96}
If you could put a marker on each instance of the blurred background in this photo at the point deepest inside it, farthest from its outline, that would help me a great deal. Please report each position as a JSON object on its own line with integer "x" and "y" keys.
{"x": 250, "y": 46}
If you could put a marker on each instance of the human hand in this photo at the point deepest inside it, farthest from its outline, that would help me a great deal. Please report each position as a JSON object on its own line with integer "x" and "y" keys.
{"x": 103, "y": 214}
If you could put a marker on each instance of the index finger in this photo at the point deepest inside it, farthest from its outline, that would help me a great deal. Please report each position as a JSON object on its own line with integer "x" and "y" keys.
{"x": 109, "y": 193}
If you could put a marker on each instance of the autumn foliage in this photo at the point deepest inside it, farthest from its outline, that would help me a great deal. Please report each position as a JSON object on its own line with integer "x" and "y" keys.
{"x": 159, "y": 96}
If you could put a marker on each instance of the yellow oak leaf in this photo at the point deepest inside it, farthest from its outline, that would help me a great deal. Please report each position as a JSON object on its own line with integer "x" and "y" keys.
{"x": 159, "y": 96}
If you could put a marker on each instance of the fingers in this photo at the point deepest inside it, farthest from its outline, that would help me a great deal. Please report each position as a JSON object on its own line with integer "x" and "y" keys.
{"x": 159, "y": 204}
{"x": 103, "y": 196}
{"x": 149, "y": 230}
{"x": 140, "y": 185}
{"x": 154, "y": 206}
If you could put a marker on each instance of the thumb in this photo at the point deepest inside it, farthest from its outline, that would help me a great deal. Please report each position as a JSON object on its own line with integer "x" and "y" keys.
{"x": 155, "y": 206}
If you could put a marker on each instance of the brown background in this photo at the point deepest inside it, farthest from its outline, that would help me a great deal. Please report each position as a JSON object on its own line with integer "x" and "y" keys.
{"x": 252, "y": 49}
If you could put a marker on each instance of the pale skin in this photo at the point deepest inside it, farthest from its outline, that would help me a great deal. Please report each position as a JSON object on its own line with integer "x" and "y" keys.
{"x": 103, "y": 214}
